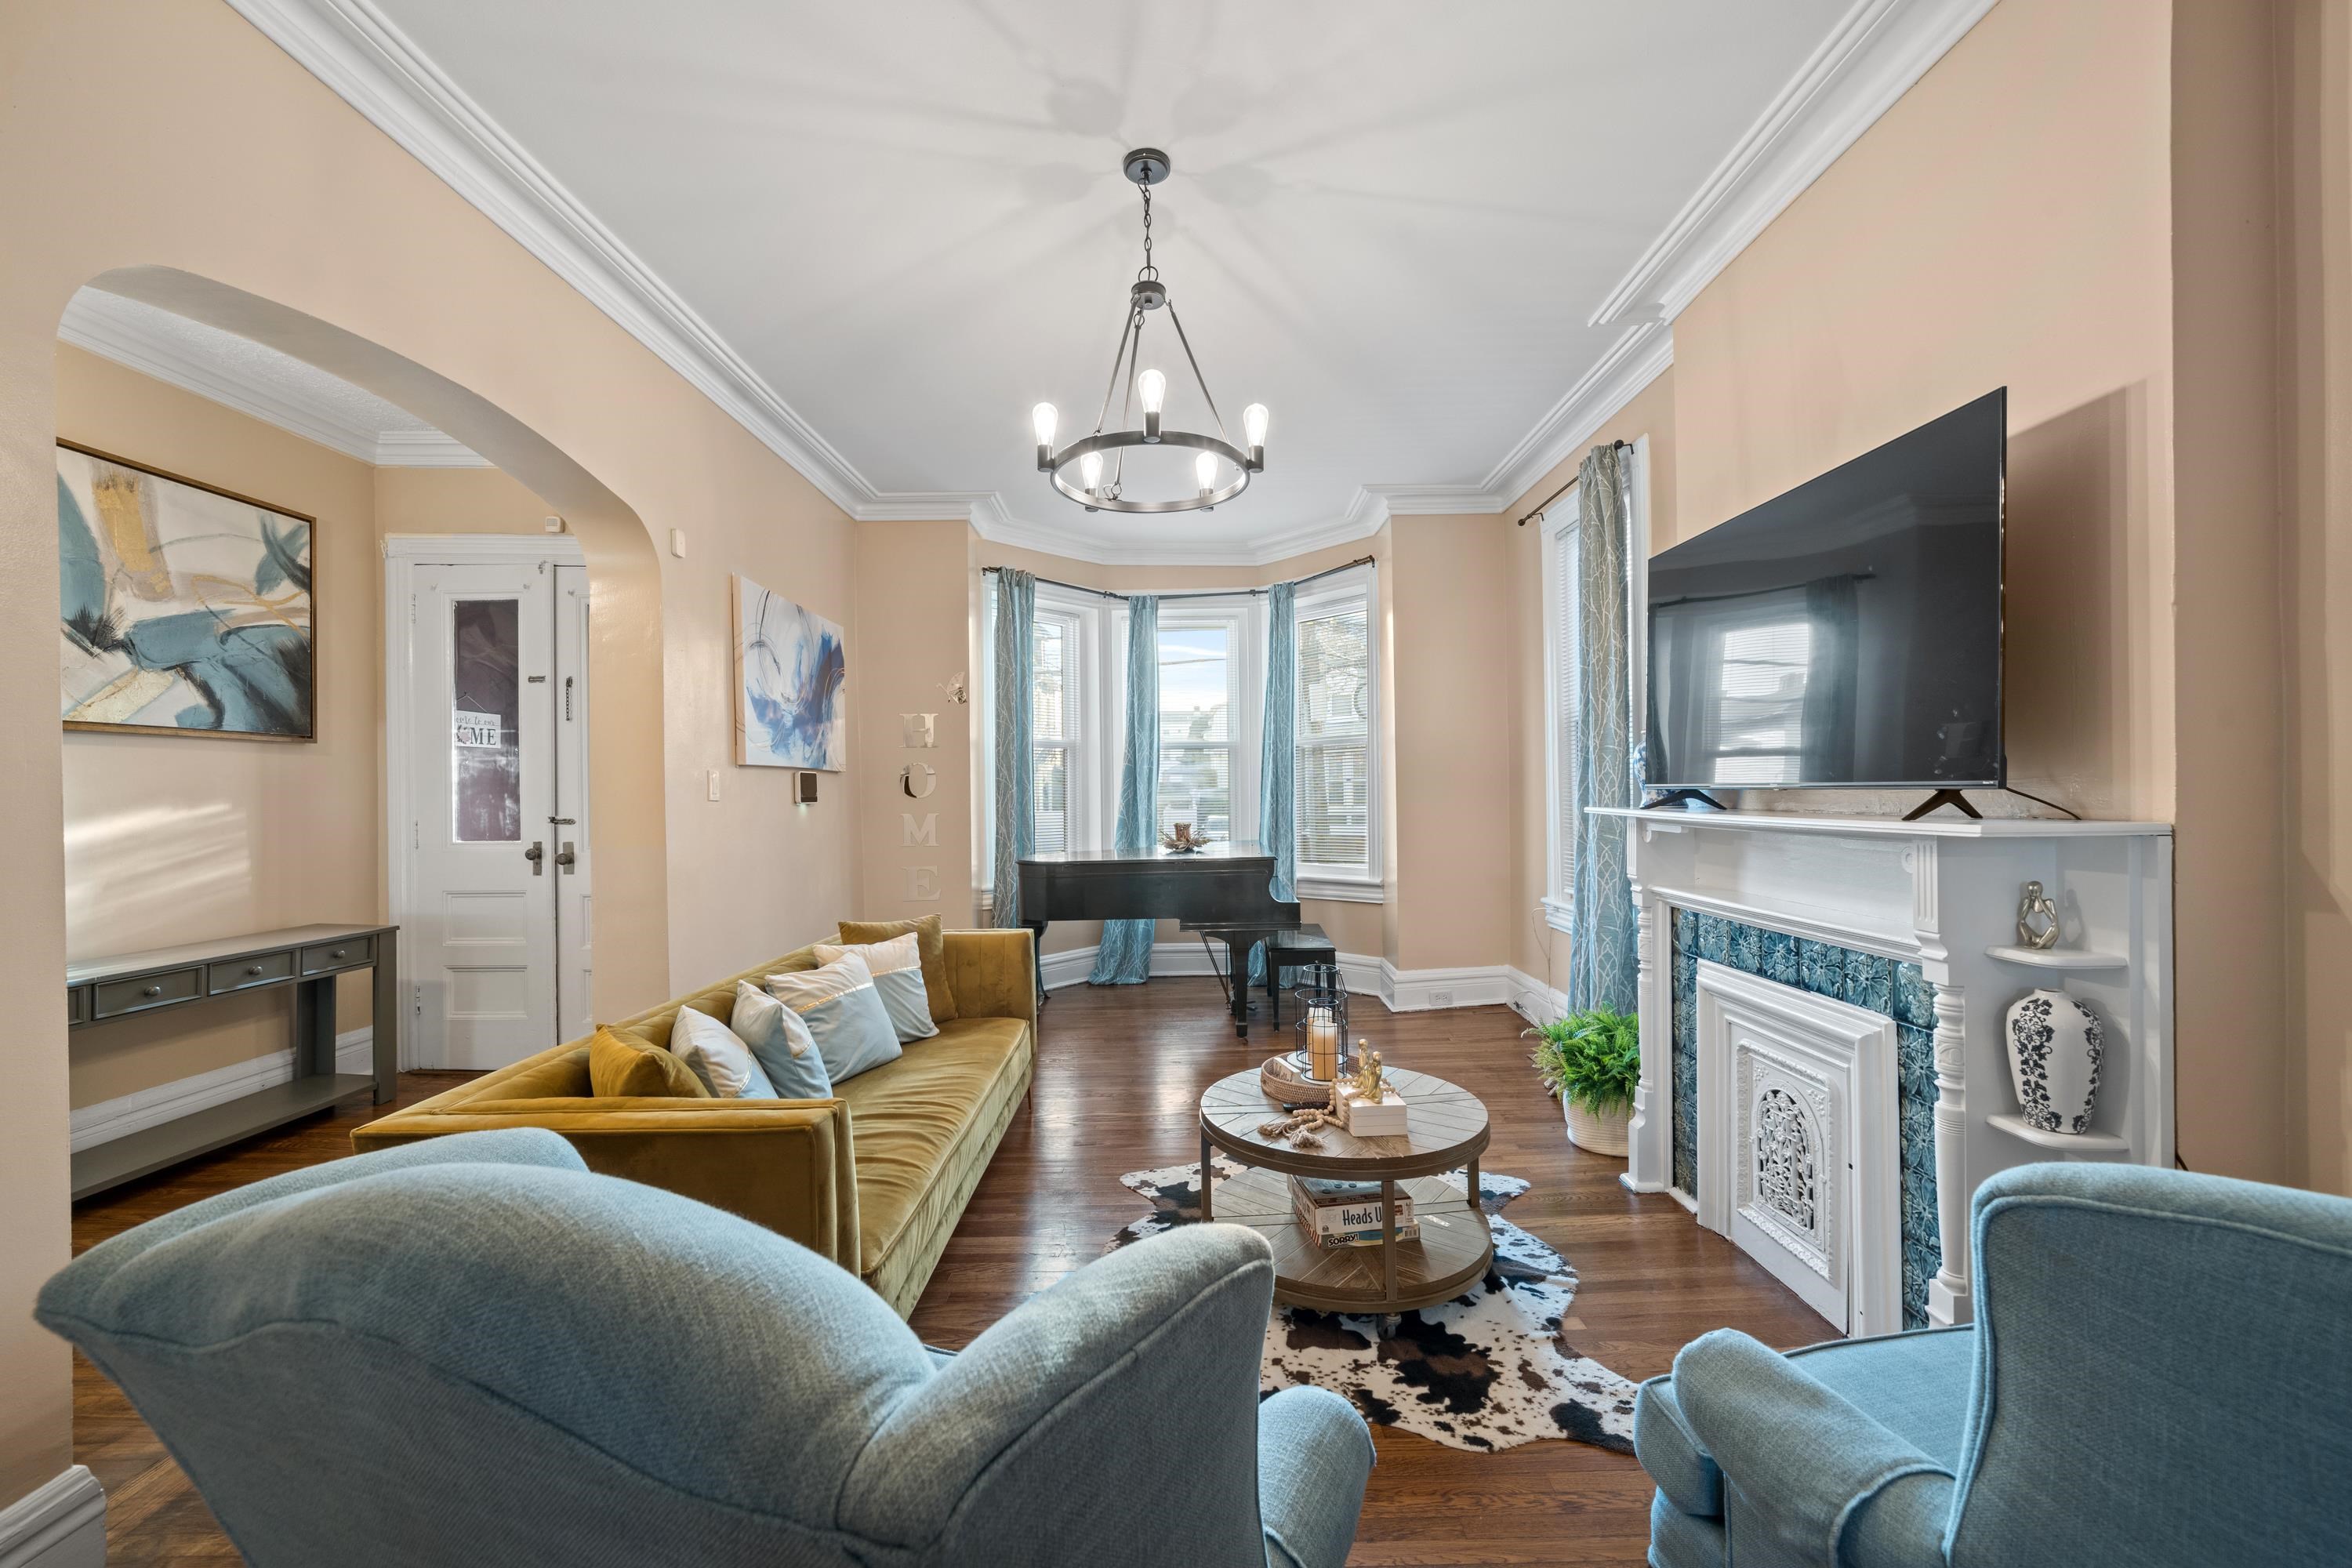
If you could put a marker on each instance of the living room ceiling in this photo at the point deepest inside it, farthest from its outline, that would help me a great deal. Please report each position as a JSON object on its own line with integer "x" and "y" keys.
{"x": 1419, "y": 234}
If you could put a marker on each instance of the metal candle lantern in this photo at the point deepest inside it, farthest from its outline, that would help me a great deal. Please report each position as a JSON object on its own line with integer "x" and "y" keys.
{"x": 1322, "y": 998}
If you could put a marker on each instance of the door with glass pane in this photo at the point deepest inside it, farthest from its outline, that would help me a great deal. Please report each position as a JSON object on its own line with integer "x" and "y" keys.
{"x": 484, "y": 840}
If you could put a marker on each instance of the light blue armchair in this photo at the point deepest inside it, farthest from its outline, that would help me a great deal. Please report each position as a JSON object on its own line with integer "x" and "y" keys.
{"x": 2160, "y": 1374}
{"x": 472, "y": 1350}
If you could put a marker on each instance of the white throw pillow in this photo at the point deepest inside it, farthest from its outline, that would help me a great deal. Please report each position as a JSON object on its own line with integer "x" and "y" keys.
{"x": 718, "y": 1057}
{"x": 896, "y": 966}
{"x": 843, "y": 1013}
{"x": 781, "y": 1043}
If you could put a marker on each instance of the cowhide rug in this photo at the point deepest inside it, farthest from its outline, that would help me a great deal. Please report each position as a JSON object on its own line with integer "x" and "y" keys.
{"x": 1487, "y": 1370}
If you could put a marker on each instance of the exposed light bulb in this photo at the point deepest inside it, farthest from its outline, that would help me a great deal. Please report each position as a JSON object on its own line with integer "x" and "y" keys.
{"x": 1254, "y": 424}
{"x": 1091, "y": 470}
{"x": 1043, "y": 417}
{"x": 1205, "y": 467}
{"x": 1152, "y": 387}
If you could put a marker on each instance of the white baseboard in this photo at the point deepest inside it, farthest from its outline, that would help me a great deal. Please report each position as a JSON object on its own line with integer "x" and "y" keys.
{"x": 58, "y": 1524}
{"x": 1400, "y": 990}
{"x": 119, "y": 1117}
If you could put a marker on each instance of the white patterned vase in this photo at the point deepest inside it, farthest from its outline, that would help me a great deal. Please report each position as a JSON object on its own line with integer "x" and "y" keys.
{"x": 2055, "y": 1045}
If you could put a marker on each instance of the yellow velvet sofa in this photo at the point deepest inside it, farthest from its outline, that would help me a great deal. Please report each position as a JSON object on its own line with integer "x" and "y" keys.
{"x": 874, "y": 1178}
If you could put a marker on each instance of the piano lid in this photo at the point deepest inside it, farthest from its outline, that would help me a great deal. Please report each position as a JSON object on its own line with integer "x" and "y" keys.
{"x": 1216, "y": 852}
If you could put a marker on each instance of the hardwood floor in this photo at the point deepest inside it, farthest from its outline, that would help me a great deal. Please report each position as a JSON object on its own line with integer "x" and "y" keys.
{"x": 1118, "y": 1081}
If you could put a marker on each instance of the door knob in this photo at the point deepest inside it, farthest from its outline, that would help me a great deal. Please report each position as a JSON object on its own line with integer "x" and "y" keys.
{"x": 536, "y": 854}
{"x": 563, "y": 858}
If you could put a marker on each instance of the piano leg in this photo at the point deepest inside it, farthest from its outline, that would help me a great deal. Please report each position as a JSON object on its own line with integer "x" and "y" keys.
{"x": 1237, "y": 952}
{"x": 1037, "y": 947}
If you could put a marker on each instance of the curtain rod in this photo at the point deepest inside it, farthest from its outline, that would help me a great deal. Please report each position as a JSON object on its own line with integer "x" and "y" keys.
{"x": 1538, "y": 510}
{"x": 1205, "y": 593}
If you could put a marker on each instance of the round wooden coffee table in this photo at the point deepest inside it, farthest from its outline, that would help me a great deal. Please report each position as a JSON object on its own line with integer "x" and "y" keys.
{"x": 1446, "y": 1131}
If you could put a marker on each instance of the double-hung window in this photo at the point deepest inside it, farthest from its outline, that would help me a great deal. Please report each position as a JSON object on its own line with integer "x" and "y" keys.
{"x": 1208, "y": 721}
{"x": 1334, "y": 737}
{"x": 1056, "y": 729}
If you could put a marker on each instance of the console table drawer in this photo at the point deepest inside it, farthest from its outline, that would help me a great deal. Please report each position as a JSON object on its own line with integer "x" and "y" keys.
{"x": 329, "y": 956}
{"x": 117, "y": 997}
{"x": 262, "y": 969}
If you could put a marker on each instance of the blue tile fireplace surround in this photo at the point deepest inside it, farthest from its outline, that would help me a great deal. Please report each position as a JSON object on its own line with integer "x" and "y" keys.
{"x": 1865, "y": 980}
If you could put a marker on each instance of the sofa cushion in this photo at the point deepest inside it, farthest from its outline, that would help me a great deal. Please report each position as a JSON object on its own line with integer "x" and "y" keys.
{"x": 916, "y": 1124}
{"x": 621, "y": 1067}
{"x": 930, "y": 940}
{"x": 1914, "y": 1384}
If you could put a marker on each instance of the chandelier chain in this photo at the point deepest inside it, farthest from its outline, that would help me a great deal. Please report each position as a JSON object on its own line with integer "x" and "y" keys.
{"x": 1148, "y": 270}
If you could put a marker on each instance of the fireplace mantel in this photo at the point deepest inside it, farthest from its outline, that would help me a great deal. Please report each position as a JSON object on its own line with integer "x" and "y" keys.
{"x": 1941, "y": 893}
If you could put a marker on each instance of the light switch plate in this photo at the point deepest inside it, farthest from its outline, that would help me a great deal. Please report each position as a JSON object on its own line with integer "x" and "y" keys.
{"x": 714, "y": 783}
{"x": 677, "y": 543}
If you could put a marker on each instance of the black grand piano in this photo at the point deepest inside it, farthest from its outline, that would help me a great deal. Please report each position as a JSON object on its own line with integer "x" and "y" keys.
{"x": 1224, "y": 890}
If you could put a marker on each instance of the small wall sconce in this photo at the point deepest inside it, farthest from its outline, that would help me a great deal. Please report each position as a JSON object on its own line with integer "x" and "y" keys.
{"x": 806, "y": 791}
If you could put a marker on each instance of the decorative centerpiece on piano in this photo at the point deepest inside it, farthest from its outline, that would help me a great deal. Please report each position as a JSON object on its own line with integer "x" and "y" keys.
{"x": 1368, "y": 1105}
{"x": 1347, "y": 1214}
{"x": 1179, "y": 839}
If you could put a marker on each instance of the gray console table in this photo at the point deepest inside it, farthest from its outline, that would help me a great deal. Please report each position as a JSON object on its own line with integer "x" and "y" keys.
{"x": 308, "y": 958}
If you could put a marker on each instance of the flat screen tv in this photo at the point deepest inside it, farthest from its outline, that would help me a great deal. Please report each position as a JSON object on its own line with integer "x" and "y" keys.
{"x": 1847, "y": 634}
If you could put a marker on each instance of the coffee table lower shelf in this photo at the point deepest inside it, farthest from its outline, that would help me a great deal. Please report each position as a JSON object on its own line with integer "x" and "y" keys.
{"x": 1453, "y": 1252}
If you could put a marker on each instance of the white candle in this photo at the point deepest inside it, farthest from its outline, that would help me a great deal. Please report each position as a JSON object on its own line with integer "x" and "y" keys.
{"x": 1322, "y": 1043}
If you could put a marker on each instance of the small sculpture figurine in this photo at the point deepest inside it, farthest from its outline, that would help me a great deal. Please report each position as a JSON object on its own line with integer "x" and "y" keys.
{"x": 1369, "y": 1084}
{"x": 2036, "y": 905}
{"x": 1178, "y": 839}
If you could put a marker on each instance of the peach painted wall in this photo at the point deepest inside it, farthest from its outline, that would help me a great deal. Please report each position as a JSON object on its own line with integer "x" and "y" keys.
{"x": 221, "y": 160}
{"x": 179, "y": 838}
{"x": 2008, "y": 222}
{"x": 1537, "y": 951}
{"x": 913, "y": 580}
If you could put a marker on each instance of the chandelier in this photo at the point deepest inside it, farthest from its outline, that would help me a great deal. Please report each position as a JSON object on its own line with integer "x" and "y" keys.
{"x": 1220, "y": 472}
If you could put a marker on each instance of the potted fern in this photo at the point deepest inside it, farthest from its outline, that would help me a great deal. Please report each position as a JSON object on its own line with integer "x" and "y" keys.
{"x": 1592, "y": 1061}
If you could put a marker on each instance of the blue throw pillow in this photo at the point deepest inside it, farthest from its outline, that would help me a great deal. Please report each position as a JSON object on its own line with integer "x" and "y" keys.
{"x": 843, "y": 1013}
{"x": 896, "y": 966}
{"x": 782, "y": 1043}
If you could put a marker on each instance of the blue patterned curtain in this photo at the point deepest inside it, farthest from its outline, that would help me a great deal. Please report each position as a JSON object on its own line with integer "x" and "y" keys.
{"x": 1125, "y": 956}
{"x": 1016, "y": 761}
{"x": 1277, "y": 797}
{"x": 1602, "y": 971}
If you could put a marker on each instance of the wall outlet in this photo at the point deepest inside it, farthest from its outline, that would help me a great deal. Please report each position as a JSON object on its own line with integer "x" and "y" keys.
{"x": 1441, "y": 998}
{"x": 714, "y": 783}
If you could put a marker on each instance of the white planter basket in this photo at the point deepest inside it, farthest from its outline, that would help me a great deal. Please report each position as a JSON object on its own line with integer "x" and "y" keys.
{"x": 1597, "y": 1134}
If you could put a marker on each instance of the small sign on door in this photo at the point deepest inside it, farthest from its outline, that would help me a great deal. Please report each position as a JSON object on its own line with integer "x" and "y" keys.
{"x": 477, "y": 728}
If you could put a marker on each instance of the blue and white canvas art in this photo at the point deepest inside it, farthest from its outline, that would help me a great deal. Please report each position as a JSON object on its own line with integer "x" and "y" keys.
{"x": 182, "y": 609}
{"x": 789, "y": 668}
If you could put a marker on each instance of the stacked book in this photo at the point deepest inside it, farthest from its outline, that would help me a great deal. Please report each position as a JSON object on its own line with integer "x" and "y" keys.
{"x": 1347, "y": 1214}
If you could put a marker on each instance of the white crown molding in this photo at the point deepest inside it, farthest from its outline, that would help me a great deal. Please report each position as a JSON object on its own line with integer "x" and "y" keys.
{"x": 356, "y": 51}
{"x": 425, "y": 449}
{"x": 112, "y": 327}
{"x": 1635, "y": 359}
{"x": 1878, "y": 49}
{"x": 1871, "y": 60}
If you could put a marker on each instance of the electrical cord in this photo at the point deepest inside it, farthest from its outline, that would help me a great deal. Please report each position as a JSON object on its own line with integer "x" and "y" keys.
{"x": 2053, "y": 805}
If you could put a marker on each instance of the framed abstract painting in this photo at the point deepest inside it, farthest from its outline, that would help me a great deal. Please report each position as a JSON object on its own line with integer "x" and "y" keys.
{"x": 789, "y": 667}
{"x": 183, "y": 609}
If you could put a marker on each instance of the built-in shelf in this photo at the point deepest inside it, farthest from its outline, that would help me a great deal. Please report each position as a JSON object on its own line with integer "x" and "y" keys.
{"x": 2069, "y": 1142}
{"x": 2058, "y": 958}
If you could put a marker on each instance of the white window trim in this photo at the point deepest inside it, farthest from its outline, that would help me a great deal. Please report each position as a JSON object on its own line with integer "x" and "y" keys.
{"x": 1365, "y": 887}
{"x": 1557, "y": 901}
{"x": 1244, "y": 618}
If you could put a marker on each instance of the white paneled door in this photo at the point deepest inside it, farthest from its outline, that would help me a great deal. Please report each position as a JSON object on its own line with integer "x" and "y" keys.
{"x": 492, "y": 736}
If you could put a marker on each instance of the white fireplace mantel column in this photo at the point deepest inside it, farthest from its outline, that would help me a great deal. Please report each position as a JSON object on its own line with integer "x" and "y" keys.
{"x": 1941, "y": 893}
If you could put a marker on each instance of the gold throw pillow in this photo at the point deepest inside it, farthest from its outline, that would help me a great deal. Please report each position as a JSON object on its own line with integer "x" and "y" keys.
{"x": 621, "y": 1067}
